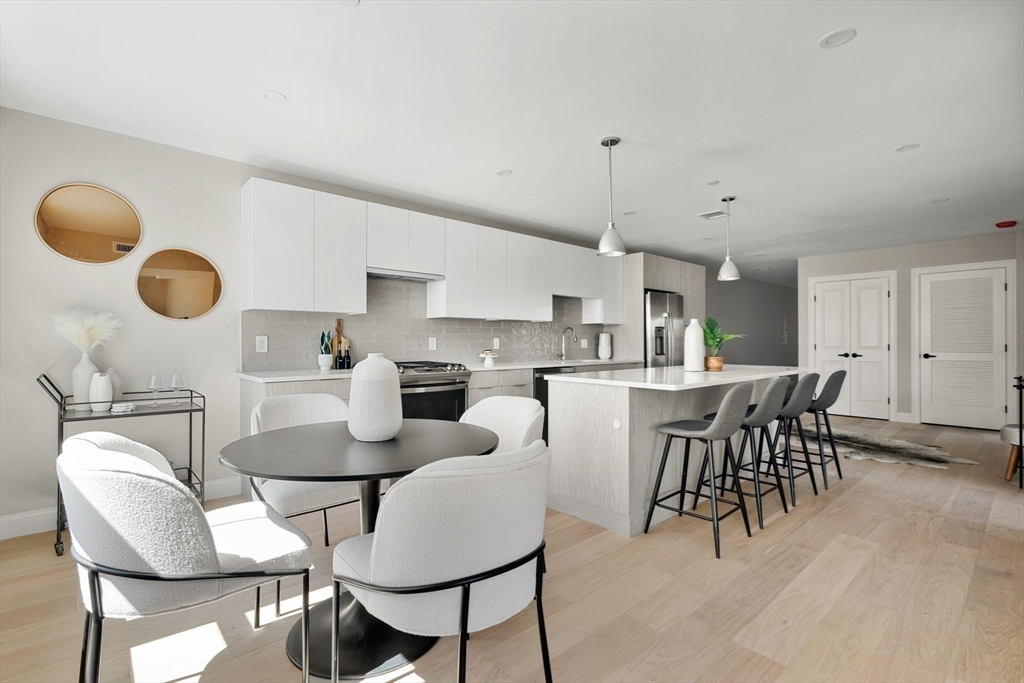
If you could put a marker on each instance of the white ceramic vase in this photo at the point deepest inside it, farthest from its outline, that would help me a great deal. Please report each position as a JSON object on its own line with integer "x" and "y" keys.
{"x": 693, "y": 347}
{"x": 100, "y": 392}
{"x": 604, "y": 346}
{"x": 116, "y": 384}
{"x": 81, "y": 377}
{"x": 325, "y": 361}
{"x": 375, "y": 402}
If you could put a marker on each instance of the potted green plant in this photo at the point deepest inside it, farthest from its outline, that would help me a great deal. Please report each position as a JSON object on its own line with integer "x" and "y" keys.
{"x": 714, "y": 338}
{"x": 325, "y": 359}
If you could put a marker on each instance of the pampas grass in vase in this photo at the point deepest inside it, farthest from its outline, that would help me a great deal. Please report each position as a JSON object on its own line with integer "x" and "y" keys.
{"x": 85, "y": 329}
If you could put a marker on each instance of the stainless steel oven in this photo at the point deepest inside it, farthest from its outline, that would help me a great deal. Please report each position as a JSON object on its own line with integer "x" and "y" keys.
{"x": 432, "y": 390}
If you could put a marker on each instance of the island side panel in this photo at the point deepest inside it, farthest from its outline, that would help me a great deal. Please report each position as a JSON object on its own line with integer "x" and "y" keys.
{"x": 590, "y": 468}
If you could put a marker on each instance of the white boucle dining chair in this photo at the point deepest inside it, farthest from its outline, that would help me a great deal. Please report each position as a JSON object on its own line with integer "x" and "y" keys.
{"x": 145, "y": 546}
{"x": 517, "y": 421}
{"x": 458, "y": 547}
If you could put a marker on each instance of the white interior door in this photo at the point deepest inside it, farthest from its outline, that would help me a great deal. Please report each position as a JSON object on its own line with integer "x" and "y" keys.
{"x": 963, "y": 357}
{"x": 832, "y": 336}
{"x": 868, "y": 379}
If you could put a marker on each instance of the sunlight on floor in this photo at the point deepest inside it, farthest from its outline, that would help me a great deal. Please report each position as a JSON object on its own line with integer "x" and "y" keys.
{"x": 181, "y": 657}
{"x": 403, "y": 675}
{"x": 290, "y": 607}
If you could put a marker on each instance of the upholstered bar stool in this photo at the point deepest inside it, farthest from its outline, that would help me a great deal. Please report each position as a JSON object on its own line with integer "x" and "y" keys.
{"x": 819, "y": 406}
{"x": 797, "y": 405}
{"x": 727, "y": 422}
{"x": 759, "y": 417}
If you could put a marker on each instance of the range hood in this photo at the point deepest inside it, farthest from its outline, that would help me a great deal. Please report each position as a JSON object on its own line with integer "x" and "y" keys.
{"x": 388, "y": 274}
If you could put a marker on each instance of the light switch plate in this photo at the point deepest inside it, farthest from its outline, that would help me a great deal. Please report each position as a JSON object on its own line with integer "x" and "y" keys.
{"x": 261, "y": 344}
{"x": 497, "y": 344}
{"x": 432, "y": 343}
{"x": 583, "y": 343}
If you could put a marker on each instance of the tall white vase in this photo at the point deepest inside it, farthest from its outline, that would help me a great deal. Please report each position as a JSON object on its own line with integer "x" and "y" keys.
{"x": 100, "y": 392}
{"x": 116, "y": 383}
{"x": 375, "y": 402}
{"x": 693, "y": 347}
{"x": 604, "y": 346}
{"x": 81, "y": 377}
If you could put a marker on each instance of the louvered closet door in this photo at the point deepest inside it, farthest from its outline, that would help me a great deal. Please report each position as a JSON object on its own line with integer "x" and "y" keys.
{"x": 832, "y": 336}
{"x": 869, "y": 348}
{"x": 963, "y": 332}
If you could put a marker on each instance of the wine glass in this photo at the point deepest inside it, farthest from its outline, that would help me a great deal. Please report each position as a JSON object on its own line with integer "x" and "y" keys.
{"x": 156, "y": 383}
{"x": 177, "y": 383}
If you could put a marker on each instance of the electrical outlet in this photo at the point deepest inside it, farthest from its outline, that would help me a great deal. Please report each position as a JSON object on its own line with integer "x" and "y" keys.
{"x": 431, "y": 343}
{"x": 583, "y": 343}
{"x": 261, "y": 344}
{"x": 497, "y": 344}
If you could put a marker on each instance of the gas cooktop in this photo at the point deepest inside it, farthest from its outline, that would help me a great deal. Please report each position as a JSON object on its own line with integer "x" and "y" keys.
{"x": 428, "y": 367}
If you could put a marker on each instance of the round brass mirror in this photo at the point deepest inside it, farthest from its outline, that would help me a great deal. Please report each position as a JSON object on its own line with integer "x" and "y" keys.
{"x": 179, "y": 284}
{"x": 88, "y": 224}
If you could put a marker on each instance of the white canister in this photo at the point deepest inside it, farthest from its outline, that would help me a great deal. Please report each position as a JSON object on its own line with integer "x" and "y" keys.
{"x": 693, "y": 347}
{"x": 116, "y": 384}
{"x": 100, "y": 392}
{"x": 375, "y": 402}
{"x": 81, "y": 377}
{"x": 604, "y": 346}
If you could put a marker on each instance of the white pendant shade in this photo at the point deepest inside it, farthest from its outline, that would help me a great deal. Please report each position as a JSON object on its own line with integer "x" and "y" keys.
{"x": 728, "y": 271}
{"x": 611, "y": 243}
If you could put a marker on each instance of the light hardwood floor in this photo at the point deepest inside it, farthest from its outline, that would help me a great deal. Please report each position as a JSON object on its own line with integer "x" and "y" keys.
{"x": 897, "y": 573}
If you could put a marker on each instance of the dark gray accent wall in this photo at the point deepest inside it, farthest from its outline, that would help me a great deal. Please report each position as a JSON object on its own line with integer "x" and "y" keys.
{"x": 759, "y": 310}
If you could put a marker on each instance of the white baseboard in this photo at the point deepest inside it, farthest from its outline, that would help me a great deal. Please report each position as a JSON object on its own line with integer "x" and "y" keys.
{"x": 905, "y": 417}
{"x": 38, "y": 521}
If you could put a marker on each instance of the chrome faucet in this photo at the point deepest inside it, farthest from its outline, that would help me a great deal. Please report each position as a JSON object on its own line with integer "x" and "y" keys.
{"x": 561, "y": 356}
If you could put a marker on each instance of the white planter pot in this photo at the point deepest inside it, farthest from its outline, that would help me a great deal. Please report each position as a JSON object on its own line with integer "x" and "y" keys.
{"x": 81, "y": 377}
{"x": 375, "y": 402}
{"x": 604, "y": 346}
{"x": 116, "y": 384}
{"x": 100, "y": 392}
{"x": 693, "y": 347}
{"x": 325, "y": 361}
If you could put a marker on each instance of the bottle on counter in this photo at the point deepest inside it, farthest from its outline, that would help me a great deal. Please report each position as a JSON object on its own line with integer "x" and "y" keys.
{"x": 339, "y": 361}
{"x": 346, "y": 361}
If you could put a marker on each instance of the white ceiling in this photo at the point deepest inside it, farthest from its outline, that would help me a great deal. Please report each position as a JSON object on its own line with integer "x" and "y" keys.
{"x": 425, "y": 101}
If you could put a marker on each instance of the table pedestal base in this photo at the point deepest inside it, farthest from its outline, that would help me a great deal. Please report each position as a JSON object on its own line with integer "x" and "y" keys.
{"x": 368, "y": 646}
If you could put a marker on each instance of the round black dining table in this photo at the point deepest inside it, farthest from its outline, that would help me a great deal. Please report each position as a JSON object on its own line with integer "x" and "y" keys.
{"x": 328, "y": 452}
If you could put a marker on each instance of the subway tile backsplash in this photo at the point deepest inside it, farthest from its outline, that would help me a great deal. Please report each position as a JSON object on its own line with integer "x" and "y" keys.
{"x": 396, "y": 324}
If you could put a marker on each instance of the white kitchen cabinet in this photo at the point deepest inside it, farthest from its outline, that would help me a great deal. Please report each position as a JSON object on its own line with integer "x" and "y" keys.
{"x": 492, "y": 269}
{"x": 387, "y": 237}
{"x": 426, "y": 243}
{"x": 608, "y": 309}
{"x": 520, "y": 276}
{"x": 565, "y": 269}
{"x": 339, "y": 254}
{"x": 591, "y": 273}
{"x": 277, "y": 246}
{"x": 456, "y": 295}
{"x": 541, "y": 309}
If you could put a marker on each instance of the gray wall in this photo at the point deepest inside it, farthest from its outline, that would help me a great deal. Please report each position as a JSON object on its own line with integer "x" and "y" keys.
{"x": 756, "y": 309}
{"x": 997, "y": 247}
{"x": 396, "y": 324}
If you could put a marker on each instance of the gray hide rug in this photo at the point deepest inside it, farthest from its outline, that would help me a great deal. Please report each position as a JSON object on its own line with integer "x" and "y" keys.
{"x": 864, "y": 447}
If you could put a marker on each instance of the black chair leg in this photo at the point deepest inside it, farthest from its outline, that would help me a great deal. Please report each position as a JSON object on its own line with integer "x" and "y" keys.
{"x": 775, "y": 469}
{"x": 700, "y": 480}
{"x": 807, "y": 456}
{"x": 305, "y": 626}
{"x": 327, "y": 534}
{"x": 787, "y": 460}
{"x": 832, "y": 443}
{"x": 277, "y": 600}
{"x": 755, "y": 464}
{"x": 85, "y": 647}
{"x": 709, "y": 460}
{"x": 463, "y": 633}
{"x": 731, "y": 459}
{"x": 657, "y": 482}
{"x": 540, "y": 621}
{"x": 95, "y": 629}
{"x": 821, "y": 450}
{"x": 335, "y": 618}
{"x": 682, "y": 476}
{"x": 256, "y": 612}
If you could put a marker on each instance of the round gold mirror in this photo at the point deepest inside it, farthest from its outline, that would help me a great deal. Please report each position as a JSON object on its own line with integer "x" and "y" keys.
{"x": 88, "y": 224}
{"x": 179, "y": 284}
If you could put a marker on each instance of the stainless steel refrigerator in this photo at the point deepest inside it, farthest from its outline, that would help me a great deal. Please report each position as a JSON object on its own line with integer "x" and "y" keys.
{"x": 665, "y": 329}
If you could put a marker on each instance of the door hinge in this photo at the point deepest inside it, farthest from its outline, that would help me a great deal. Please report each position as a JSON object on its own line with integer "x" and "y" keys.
{"x": 888, "y": 294}
{"x": 888, "y": 401}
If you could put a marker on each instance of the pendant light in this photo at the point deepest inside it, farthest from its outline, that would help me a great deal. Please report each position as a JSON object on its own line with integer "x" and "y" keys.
{"x": 728, "y": 271}
{"x": 611, "y": 243}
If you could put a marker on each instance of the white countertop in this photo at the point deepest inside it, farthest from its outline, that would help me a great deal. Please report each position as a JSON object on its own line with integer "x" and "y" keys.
{"x": 676, "y": 379}
{"x": 265, "y": 376}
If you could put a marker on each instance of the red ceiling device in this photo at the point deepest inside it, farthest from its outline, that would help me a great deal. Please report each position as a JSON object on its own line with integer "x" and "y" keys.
{"x": 1006, "y": 224}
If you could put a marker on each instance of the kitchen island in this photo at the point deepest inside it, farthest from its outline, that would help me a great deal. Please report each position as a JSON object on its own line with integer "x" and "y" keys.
{"x": 603, "y": 433}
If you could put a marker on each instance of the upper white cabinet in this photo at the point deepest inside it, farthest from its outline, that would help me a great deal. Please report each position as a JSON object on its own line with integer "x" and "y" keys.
{"x": 529, "y": 278}
{"x": 591, "y": 273}
{"x": 296, "y": 260}
{"x": 492, "y": 269}
{"x": 577, "y": 271}
{"x": 540, "y": 279}
{"x": 456, "y": 295}
{"x": 403, "y": 241}
{"x": 607, "y": 310}
{"x": 339, "y": 254}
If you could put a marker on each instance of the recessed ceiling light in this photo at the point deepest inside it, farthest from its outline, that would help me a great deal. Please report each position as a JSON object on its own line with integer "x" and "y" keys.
{"x": 764, "y": 268}
{"x": 504, "y": 172}
{"x": 939, "y": 201}
{"x": 275, "y": 96}
{"x": 837, "y": 38}
{"x": 713, "y": 182}
{"x": 907, "y": 148}
{"x": 629, "y": 213}
{"x": 707, "y": 239}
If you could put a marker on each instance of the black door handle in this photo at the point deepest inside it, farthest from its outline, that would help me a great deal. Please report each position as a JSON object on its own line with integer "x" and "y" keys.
{"x": 858, "y": 355}
{"x": 843, "y": 355}
{"x": 928, "y": 355}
